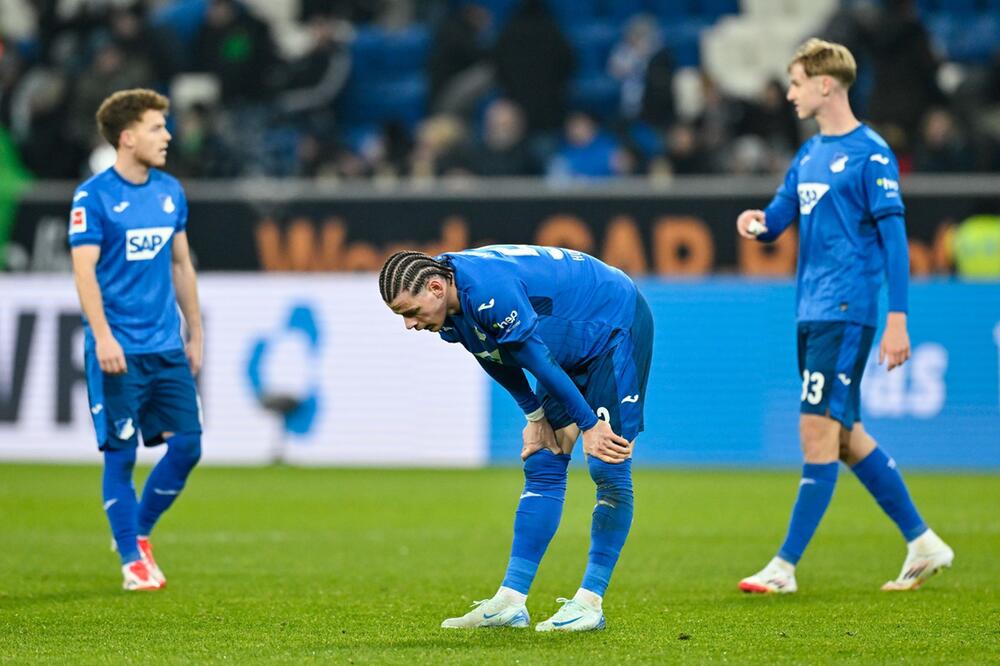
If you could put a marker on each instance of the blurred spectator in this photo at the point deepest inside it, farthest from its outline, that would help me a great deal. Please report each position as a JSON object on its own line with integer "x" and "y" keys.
{"x": 716, "y": 125}
{"x": 201, "y": 146}
{"x": 39, "y": 123}
{"x": 904, "y": 68}
{"x": 109, "y": 71}
{"x": 139, "y": 40}
{"x": 684, "y": 154}
{"x": 354, "y": 11}
{"x": 645, "y": 69}
{"x": 772, "y": 119}
{"x": 977, "y": 244}
{"x": 313, "y": 81}
{"x": 439, "y": 144}
{"x": 237, "y": 47}
{"x": 587, "y": 152}
{"x": 534, "y": 63}
{"x": 941, "y": 146}
{"x": 503, "y": 150}
{"x": 458, "y": 64}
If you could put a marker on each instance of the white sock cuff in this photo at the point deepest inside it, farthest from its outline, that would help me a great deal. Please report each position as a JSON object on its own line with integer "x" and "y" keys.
{"x": 512, "y": 595}
{"x": 592, "y": 599}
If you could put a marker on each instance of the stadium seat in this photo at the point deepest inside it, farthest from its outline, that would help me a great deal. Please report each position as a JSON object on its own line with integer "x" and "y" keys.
{"x": 710, "y": 10}
{"x": 568, "y": 13}
{"x": 597, "y": 94}
{"x": 683, "y": 38}
{"x": 974, "y": 40}
{"x": 403, "y": 100}
{"x": 382, "y": 54}
{"x": 619, "y": 11}
{"x": 184, "y": 17}
{"x": 668, "y": 10}
{"x": 592, "y": 43}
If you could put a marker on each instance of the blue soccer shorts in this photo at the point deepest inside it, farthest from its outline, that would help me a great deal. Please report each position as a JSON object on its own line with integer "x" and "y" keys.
{"x": 156, "y": 395}
{"x": 832, "y": 358}
{"x": 614, "y": 383}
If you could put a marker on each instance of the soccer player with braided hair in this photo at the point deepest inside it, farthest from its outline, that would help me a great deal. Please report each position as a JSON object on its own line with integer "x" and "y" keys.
{"x": 585, "y": 332}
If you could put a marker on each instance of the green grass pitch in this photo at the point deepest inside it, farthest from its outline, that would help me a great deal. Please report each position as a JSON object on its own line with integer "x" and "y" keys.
{"x": 360, "y": 566}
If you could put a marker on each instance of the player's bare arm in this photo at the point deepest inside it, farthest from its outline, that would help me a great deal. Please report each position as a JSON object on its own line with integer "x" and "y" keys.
{"x": 185, "y": 284}
{"x": 109, "y": 352}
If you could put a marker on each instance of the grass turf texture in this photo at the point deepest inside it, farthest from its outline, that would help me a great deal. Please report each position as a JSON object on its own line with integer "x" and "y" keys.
{"x": 294, "y": 565}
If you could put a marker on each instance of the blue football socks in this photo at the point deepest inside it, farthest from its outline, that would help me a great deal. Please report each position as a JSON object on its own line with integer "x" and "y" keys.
{"x": 878, "y": 473}
{"x": 537, "y": 518}
{"x": 815, "y": 493}
{"x": 167, "y": 479}
{"x": 611, "y": 522}
{"x": 119, "y": 500}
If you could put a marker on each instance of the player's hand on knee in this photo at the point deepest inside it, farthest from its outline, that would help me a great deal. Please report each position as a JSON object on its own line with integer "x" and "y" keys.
{"x": 538, "y": 435}
{"x": 602, "y": 443}
{"x": 751, "y": 224}
{"x": 110, "y": 356}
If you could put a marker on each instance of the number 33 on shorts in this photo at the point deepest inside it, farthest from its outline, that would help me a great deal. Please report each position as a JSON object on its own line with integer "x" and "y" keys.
{"x": 812, "y": 387}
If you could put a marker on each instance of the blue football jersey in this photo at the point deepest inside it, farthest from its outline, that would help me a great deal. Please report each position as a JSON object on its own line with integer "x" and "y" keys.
{"x": 134, "y": 225}
{"x": 841, "y": 186}
{"x": 573, "y": 302}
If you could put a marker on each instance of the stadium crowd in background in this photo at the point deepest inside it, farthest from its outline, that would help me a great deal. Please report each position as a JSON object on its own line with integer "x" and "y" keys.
{"x": 465, "y": 89}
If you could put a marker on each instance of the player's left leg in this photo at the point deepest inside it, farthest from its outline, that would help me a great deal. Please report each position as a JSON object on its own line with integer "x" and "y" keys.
{"x": 616, "y": 388}
{"x": 927, "y": 553}
{"x": 171, "y": 414}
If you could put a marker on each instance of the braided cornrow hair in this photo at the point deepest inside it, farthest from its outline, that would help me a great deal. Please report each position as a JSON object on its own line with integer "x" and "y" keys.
{"x": 409, "y": 271}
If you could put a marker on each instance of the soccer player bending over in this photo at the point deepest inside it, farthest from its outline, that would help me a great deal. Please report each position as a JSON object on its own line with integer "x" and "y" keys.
{"x": 585, "y": 332}
{"x": 843, "y": 185}
{"x": 132, "y": 268}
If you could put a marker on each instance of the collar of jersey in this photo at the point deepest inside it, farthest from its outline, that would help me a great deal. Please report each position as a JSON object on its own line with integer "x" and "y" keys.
{"x": 828, "y": 138}
{"x": 129, "y": 183}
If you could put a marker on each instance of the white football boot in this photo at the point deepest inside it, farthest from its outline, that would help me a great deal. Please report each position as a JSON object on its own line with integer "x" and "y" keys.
{"x": 138, "y": 578}
{"x": 925, "y": 556}
{"x": 778, "y": 577}
{"x": 573, "y": 616}
{"x": 500, "y": 611}
{"x": 146, "y": 550}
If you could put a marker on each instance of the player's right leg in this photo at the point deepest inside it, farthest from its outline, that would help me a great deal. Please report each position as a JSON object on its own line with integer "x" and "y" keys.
{"x": 824, "y": 348}
{"x": 538, "y": 513}
{"x": 113, "y": 407}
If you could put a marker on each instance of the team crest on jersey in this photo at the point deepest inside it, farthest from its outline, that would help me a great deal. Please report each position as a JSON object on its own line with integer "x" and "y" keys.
{"x": 838, "y": 163}
{"x": 168, "y": 204}
{"x": 144, "y": 244}
{"x": 78, "y": 220}
{"x": 809, "y": 196}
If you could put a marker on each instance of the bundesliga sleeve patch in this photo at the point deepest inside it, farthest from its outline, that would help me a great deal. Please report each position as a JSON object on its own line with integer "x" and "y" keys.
{"x": 78, "y": 220}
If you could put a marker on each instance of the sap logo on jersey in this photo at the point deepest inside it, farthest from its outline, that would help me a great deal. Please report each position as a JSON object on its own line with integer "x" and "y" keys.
{"x": 144, "y": 244}
{"x": 809, "y": 196}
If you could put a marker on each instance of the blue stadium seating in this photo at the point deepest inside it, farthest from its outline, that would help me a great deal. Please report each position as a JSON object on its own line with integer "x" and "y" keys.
{"x": 184, "y": 17}
{"x": 592, "y": 43}
{"x": 597, "y": 94}
{"x": 571, "y": 12}
{"x": 683, "y": 39}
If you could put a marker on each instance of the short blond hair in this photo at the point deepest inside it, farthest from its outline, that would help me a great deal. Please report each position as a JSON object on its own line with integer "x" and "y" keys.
{"x": 820, "y": 57}
{"x": 126, "y": 107}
